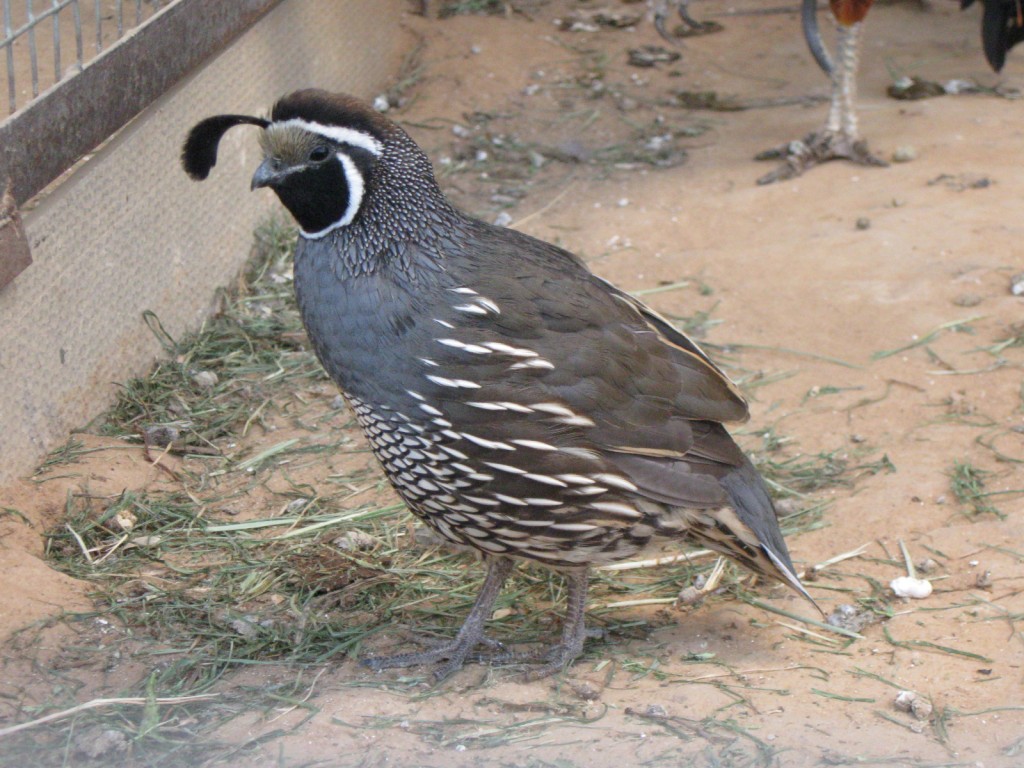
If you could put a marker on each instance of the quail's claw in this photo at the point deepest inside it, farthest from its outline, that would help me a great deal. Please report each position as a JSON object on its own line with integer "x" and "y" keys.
{"x": 815, "y": 149}
{"x": 453, "y": 653}
{"x": 659, "y": 24}
{"x": 682, "y": 8}
{"x": 684, "y": 14}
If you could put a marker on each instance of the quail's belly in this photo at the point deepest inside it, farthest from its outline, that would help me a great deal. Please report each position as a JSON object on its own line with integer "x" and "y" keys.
{"x": 483, "y": 480}
{"x": 467, "y": 500}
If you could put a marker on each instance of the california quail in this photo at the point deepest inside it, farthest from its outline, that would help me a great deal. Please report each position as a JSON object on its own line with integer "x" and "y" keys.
{"x": 519, "y": 404}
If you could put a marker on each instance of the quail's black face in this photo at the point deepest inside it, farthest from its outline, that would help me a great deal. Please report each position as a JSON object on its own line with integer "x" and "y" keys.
{"x": 319, "y": 155}
{"x": 320, "y": 172}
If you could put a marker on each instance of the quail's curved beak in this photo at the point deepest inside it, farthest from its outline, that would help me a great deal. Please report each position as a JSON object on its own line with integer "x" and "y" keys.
{"x": 265, "y": 175}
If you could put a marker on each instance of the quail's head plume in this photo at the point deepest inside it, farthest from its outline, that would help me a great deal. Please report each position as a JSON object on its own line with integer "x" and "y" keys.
{"x": 519, "y": 404}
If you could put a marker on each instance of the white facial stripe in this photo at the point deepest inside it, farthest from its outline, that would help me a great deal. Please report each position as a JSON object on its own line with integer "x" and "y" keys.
{"x": 355, "y": 189}
{"x": 338, "y": 134}
{"x": 354, "y": 181}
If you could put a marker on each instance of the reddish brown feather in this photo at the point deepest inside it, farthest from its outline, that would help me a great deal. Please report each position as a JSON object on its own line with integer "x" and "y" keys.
{"x": 849, "y": 12}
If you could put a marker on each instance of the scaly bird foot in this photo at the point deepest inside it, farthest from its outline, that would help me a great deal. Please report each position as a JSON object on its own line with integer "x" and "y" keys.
{"x": 817, "y": 148}
{"x": 690, "y": 28}
{"x": 454, "y": 653}
{"x": 550, "y": 660}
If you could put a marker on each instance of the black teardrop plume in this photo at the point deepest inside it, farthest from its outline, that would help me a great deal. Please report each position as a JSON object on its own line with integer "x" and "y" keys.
{"x": 199, "y": 154}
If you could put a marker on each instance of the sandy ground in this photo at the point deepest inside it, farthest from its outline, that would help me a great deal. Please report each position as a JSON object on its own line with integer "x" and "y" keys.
{"x": 816, "y": 276}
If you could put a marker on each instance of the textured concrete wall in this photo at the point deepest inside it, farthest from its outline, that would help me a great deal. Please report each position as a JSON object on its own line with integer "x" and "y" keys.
{"x": 127, "y": 231}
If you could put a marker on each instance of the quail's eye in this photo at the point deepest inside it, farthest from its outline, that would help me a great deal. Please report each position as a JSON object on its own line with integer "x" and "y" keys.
{"x": 319, "y": 154}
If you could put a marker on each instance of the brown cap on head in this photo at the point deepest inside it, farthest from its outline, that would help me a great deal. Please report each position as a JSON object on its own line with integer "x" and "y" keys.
{"x": 326, "y": 108}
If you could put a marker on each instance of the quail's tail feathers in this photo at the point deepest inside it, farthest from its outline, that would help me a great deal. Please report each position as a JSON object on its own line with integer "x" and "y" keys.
{"x": 750, "y": 499}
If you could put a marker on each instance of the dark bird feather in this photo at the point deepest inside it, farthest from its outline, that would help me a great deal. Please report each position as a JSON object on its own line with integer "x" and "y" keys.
{"x": 199, "y": 154}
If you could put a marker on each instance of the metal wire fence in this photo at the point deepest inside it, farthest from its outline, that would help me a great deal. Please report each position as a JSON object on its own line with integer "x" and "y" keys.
{"x": 47, "y": 40}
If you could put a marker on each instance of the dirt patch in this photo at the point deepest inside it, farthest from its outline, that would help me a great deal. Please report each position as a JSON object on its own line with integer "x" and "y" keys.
{"x": 867, "y": 313}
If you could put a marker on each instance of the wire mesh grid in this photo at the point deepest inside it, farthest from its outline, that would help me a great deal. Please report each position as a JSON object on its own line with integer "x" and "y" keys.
{"x": 45, "y": 41}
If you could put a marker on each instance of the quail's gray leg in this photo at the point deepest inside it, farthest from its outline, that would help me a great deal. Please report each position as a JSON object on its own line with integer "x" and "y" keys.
{"x": 574, "y": 632}
{"x": 840, "y": 139}
{"x": 470, "y": 635}
{"x": 554, "y": 659}
{"x": 682, "y": 8}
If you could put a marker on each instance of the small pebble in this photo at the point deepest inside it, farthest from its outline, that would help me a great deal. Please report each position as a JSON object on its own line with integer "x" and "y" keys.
{"x": 381, "y": 103}
{"x": 160, "y": 435}
{"x": 295, "y": 506}
{"x": 967, "y": 300}
{"x": 863, "y": 223}
{"x": 502, "y": 219}
{"x": 850, "y": 617}
{"x": 584, "y": 690}
{"x": 101, "y": 744}
{"x": 908, "y": 586}
{"x": 689, "y": 596}
{"x": 1017, "y": 284}
{"x": 354, "y": 540}
{"x": 246, "y": 626}
{"x": 903, "y": 700}
{"x": 657, "y": 143}
{"x": 904, "y": 154}
{"x": 125, "y": 519}
{"x": 205, "y": 379}
{"x": 914, "y": 703}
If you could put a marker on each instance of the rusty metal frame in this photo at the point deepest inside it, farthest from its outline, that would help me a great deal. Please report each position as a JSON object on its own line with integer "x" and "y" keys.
{"x": 48, "y": 136}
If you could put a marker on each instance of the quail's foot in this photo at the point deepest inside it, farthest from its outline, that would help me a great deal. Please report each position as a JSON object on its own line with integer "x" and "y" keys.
{"x": 820, "y": 147}
{"x": 471, "y": 634}
{"x": 690, "y": 25}
{"x": 554, "y": 659}
{"x": 453, "y": 653}
{"x": 543, "y": 662}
